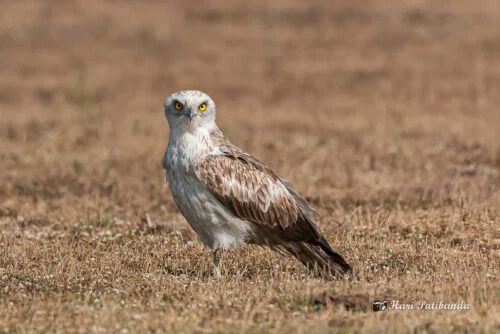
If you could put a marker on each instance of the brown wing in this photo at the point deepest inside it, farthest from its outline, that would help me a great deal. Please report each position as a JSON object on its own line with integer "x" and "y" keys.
{"x": 254, "y": 193}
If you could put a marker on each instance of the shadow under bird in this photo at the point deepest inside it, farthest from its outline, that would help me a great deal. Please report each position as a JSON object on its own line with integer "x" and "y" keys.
{"x": 230, "y": 198}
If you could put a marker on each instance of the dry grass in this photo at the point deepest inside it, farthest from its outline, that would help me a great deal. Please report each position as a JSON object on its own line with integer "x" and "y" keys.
{"x": 385, "y": 115}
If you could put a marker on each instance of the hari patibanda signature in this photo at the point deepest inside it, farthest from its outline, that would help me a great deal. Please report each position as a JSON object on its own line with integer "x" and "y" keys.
{"x": 426, "y": 305}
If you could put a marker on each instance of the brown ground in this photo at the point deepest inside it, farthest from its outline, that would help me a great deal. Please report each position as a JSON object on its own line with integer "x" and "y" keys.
{"x": 383, "y": 114}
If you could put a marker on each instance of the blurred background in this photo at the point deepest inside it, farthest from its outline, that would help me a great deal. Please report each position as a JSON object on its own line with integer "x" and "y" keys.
{"x": 384, "y": 114}
{"x": 358, "y": 98}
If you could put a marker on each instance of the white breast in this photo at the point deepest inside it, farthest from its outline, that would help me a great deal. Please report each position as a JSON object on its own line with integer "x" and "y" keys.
{"x": 215, "y": 225}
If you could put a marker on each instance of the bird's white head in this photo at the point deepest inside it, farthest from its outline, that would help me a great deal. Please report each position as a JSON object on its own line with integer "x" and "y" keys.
{"x": 190, "y": 110}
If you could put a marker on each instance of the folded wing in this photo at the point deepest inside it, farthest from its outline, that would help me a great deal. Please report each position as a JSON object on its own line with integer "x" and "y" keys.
{"x": 253, "y": 192}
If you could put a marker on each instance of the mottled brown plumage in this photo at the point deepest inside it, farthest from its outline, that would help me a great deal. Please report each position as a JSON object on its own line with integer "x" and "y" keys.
{"x": 255, "y": 193}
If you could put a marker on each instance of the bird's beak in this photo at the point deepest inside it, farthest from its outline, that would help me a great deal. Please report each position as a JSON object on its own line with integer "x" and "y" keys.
{"x": 191, "y": 114}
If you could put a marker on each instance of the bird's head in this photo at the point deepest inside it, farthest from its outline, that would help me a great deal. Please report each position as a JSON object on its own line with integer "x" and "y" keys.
{"x": 189, "y": 110}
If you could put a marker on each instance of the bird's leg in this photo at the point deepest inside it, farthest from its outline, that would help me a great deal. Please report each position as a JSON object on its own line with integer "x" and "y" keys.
{"x": 217, "y": 256}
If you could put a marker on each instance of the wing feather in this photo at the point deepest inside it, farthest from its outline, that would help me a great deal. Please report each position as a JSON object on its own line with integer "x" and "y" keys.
{"x": 253, "y": 192}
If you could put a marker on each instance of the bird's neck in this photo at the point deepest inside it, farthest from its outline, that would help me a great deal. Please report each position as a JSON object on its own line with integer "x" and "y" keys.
{"x": 190, "y": 148}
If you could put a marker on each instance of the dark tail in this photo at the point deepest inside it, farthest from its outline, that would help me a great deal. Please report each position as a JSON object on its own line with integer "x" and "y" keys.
{"x": 319, "y": 257}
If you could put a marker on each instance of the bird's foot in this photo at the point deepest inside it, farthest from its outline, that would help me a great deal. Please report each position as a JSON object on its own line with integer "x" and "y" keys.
{"x": 216, "y": 272}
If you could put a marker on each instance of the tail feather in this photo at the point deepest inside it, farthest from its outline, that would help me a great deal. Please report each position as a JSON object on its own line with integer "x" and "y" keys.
{"x": 320, "y": 258}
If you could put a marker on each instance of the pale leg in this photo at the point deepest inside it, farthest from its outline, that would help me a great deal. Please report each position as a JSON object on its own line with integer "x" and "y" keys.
{"x": 217, "y": 256}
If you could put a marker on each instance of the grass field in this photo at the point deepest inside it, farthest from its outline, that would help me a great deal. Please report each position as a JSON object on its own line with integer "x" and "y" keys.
{"x": 385, "y": 115}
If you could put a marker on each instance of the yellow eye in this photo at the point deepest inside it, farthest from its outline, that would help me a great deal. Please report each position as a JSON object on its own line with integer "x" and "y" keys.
{"x": 203, "y": 107}
{"x": 178, "y": 105}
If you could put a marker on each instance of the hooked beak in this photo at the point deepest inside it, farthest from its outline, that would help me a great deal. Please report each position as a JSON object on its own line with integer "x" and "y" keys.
{"x": 191, "y": 114}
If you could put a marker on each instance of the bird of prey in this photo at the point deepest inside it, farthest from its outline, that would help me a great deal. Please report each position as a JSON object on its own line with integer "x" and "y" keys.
{"x": 230, "y": 198}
